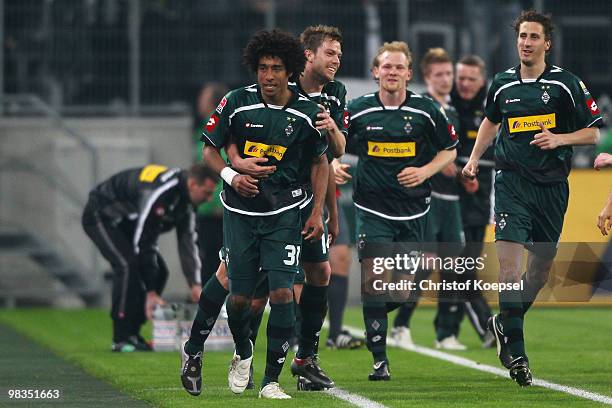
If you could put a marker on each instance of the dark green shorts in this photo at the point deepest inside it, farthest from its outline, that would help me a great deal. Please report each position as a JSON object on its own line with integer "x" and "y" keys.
{"x": 374, "y": 229}
{"x": 262, "y": 288}
{"x": 529, "y": 213}
{"x": 300, "y": 278}
{"x": 314, "y": 251}
{"x": 443, "y": 224}
{"x": 257, "y": 245}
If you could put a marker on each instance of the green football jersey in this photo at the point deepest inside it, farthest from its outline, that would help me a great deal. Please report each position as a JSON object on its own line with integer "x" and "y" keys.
{"x": 558, "y": 100}
{"x": 286, "y": 135}
{"x": 444, "y": 187}
{"x": 333, "y": 98}
{"x": 388, "y": 139}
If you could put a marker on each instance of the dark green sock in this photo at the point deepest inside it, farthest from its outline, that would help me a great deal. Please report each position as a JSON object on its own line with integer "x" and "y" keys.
{"x": 255, "y": 323}
{"x": 297, "y": 326}
{"x": 404, "y": 314}
{"x": 239, "y": 322}
{"x": 511, "y": 318}
{"x": 375, "y": 320}
{"x": 529, "y": 294}
{"x": 313, "y": 307}
{"x": 279, "y": 331}
{"x": 210, "y": 304}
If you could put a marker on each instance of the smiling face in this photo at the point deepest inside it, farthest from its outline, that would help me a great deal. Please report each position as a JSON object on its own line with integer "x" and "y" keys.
{"x": 393, "y": 71}
{"x": 273, "y": 78}
{"x": 531, "y": 43}
{"x": 325, "y": 61}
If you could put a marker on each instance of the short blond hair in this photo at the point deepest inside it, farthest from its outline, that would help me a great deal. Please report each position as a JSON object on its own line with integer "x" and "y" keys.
{"x": 434, "y": 56}
{"x": 393, "y": 46}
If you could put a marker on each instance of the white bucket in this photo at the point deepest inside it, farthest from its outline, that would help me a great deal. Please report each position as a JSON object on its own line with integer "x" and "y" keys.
{"x": 164, "y": 328}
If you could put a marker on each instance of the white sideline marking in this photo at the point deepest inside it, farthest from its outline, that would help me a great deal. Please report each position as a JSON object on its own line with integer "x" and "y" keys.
{"x": 354, "y": 399}
{"x": 451, "y": 358}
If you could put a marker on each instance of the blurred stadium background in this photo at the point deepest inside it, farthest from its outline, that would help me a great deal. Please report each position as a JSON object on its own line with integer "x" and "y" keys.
{"x": 90, "y": 87}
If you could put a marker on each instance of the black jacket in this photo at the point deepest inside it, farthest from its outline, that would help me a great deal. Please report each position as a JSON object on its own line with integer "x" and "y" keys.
{"x": 150, "y": 200}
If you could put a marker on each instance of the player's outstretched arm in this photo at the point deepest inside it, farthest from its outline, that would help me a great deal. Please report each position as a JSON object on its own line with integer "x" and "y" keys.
{"x": 313, "y": 228}
{"x": 332, "y": 204}
{"x": 335, "y": 138}
{"x": 413, "y": 176}
{"x": 486, "y": 134}
{"x": 244, "y": 184}
{"x": 253, "y": 166}
{"x": 546, "y": 140}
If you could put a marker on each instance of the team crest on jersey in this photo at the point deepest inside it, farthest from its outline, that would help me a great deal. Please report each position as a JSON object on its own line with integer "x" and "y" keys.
{"x": 501, "y": 224}
{"x": 408, "y": 125}
{"x": 289, "y": 129}
{"x": 545, "y": 97}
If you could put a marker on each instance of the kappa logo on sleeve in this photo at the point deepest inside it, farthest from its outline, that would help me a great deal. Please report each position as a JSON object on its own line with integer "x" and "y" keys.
{"x": 452, "y": 132}
{"x": 212, "y": 123}
{"x": 345, "y": 119}
{"x": 221, "y": 105}
{"x": 593, "y": 108}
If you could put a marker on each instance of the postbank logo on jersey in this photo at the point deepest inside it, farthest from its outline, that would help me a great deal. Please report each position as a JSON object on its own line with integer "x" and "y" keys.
{"x": 528, "y": 123}
{"x": 261, "y": 149}
{"x": 382, "y": 149}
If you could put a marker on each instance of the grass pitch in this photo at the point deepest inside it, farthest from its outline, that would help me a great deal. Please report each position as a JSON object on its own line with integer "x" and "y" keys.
{"x": 566, "y": 346}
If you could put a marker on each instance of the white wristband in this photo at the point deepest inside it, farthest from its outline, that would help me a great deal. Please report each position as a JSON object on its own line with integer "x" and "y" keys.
{"x": 228, "y": 174}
